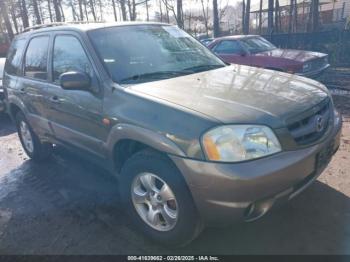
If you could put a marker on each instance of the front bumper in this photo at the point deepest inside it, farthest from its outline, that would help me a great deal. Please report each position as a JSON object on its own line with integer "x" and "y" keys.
{"x": 224, "y": 192}
{"x": 315, "y": 73}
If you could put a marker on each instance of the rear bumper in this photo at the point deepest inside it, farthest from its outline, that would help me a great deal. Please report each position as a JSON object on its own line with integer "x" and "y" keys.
{"x": 316, "y": 73}
{"x": 245, "y": 191}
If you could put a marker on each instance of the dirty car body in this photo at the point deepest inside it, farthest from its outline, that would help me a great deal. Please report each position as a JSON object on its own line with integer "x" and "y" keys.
{"x": 241, "y": 138}
{"x": 256, "y": 51}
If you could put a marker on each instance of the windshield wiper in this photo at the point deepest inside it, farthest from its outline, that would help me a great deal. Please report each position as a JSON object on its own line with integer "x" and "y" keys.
{"x": 202, "y": 68}
{"x": 154, "y": 75}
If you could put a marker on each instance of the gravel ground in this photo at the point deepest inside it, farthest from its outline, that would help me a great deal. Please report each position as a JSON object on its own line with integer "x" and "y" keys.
{"x": 69, "y": 206}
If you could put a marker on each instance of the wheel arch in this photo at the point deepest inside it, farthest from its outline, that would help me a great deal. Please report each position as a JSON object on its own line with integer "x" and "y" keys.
{"x": 125, "y": 140}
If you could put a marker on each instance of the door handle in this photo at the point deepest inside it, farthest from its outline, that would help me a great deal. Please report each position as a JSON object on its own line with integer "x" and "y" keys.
{"x": 22, "y": 90}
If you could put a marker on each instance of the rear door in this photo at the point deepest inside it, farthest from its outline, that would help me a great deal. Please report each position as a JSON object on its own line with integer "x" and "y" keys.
{"x": 32, "y": 84}
{"x": 231, "y": 52}
{"x": 75, "y": 115}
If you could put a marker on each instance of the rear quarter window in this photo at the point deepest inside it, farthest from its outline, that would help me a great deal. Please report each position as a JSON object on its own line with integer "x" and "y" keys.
{"x": 13, "y": 61}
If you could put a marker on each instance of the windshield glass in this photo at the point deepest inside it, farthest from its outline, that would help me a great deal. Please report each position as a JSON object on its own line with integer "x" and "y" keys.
{"x": 142, "y": 53}
{"x": 257, "y": 44}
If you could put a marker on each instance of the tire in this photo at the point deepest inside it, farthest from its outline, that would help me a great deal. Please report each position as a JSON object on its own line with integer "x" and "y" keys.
{"x": 38, "y": 151}
{"x": 188, "y": 224}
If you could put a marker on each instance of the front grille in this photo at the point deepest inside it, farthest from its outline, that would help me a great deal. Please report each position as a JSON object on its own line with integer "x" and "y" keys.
{"x": 312, "y": 127}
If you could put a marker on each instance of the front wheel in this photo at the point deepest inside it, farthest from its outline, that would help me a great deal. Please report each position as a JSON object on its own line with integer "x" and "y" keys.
{"x": 31, "y": 144}
{"x": 158, "y": 200}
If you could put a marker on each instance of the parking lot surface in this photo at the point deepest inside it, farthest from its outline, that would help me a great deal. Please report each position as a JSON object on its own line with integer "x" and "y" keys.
{"x": 69, "y": 206}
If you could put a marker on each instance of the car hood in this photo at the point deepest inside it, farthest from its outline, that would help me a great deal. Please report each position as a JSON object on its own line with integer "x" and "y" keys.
{"x": 239, "y": 94}
{"x": 296, "y": 55}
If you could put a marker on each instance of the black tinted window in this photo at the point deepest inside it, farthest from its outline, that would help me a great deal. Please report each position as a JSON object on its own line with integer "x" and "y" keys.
{"x": 68, "y": 56}
{"x": 36, "y": 58}
{"x": 228, "y": 47}
{"x": 13, "y": 61}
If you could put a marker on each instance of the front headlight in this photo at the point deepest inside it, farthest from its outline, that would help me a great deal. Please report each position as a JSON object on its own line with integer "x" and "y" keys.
{"x": 234, "y": 143}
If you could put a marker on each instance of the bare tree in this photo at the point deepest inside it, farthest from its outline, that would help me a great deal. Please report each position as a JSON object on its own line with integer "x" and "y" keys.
{"x": 270, "y": 16}
{"x": 315, "y": 15}
{"x": 5, "y": 15}
{"x": 260, "y": 15}
{"x": 114, "y": 10}
{"x": 92, "y": 8}
{"x": 179, "y": 14}
{"x": 216, "y": 22}
{"x": 57, "y": 10}
{"x": 123, "y": 9}
{"x": 277, "y": 16}
{"x": 36, "y": 12}
{"x": 205, "y": 16}
{"x": 147, "y": 11}
{"x": 13, "y": 7}
{"x": 24, "y": 13}
{"x": 81, "y": 13}
{"x": 243, "y": 15}
{"x": 247, "y": 18}
{"x": 49, "y": 10}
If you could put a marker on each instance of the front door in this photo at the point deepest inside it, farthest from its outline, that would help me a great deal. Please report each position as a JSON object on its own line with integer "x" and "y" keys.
{"x": 75, "y": 115}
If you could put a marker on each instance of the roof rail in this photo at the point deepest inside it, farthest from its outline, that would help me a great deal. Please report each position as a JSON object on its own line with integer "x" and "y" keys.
{"x": 35, "y": 27}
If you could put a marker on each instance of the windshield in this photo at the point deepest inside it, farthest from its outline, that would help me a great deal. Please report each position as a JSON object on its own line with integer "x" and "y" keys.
{"x": 143, "y": 53}
{"x": 257, "y": 44}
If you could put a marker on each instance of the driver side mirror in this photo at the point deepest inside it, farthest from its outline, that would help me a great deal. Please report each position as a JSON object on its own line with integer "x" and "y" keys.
{"x": 75, "y": 80}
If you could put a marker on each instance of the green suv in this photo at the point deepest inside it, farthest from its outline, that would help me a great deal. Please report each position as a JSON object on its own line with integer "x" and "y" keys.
{"x": 193, "y": 142}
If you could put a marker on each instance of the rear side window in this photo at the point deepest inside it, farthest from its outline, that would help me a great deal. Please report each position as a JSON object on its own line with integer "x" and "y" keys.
{"x": 13, "y": 61}
{"x": 69, "y": 55}
{"x": 35, "y": 65}
{"x": 228, "y": 47}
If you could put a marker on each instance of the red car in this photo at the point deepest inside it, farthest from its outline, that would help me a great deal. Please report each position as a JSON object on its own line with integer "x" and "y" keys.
{"x": 256, "y": 51}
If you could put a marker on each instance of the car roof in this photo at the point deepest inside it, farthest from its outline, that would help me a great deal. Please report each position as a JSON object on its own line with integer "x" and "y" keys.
{"x": 236, "y": 37}
{"x": 82, "y": 27}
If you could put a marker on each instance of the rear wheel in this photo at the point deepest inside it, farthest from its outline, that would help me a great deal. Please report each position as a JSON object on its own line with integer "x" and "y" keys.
{"x": 31, "y": 144}
{"x": 157, "y": 199}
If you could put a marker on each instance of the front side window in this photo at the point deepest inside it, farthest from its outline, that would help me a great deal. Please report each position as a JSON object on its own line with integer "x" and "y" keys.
{"x": 228, "y": 47}
{"x": 13, "y": 61}
{"x": 144, "y": 53}
{"x": 35, "y": 63}
{"x": 69, "y": 55}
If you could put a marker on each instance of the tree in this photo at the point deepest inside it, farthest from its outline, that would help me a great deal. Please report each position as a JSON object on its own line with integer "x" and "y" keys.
{"x": 313, "y": 21}
{"x": 49, "y": 9}
{"x": 123, "y": 9}
{"x": 114, "y": 10}
{"x": 36, "y": 12}
{"x": 260, "y": 15}
{"x": 57, "y": 11}
{"x": 277, "y": 16}
{"x": 270, "y": 16}
{"x": 205, "y": 17}
{"x": 24, "y": 13}
{"x": 179, "y": 14}
{"x": 5, "y": 15}
{"x": 247, "y": 18}
{"x": 216, "y": 23}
